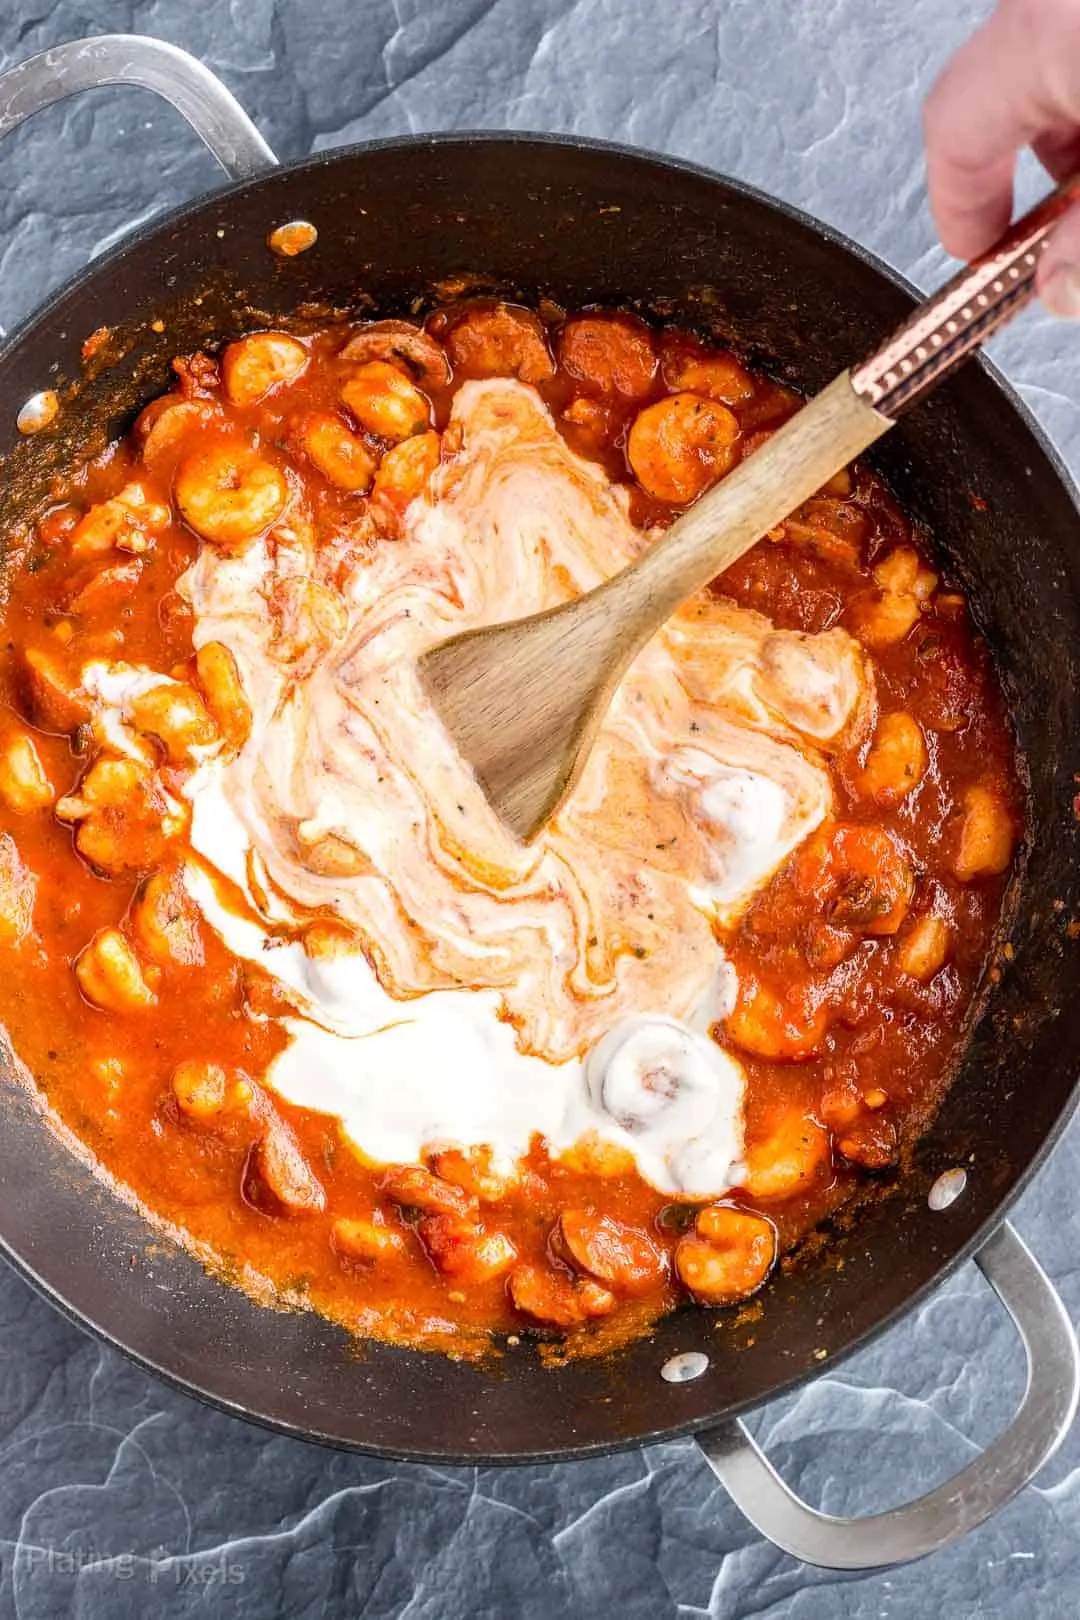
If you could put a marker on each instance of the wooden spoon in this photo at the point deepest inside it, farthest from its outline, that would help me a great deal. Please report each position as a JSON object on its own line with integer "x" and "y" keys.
{"x": 523, "y": 701}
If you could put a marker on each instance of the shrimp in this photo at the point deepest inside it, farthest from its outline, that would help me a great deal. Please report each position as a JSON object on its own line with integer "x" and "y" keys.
{"x": 110, "y": 977}
{"x": 621, "y": 1257}
{"x": 788, "y": 1160}
{"x": 728, "y": 1256}
{"x": 24, "y": 781}
{"x": 613, "y": 354}
{"x": 254, "y": 366}
{"x": 986, "y": 838}
{"x": 783, "y": 1030}
{"x": 503, "y": 341}
{"x": 385, "y": 402}
{"x": 124, "y": 821}
{"x": 557, "y": 1300}
{"x": 230, "y": 496}
{"x": 680, "y": 446}
{"x": 219, "y": 681}
{"x": 407, "y": 468}
{"x": 858, "y": 877}
{"x": 407, "y": 346}
{"x": 340, "y": 455}
{"x": 897, "y": 760}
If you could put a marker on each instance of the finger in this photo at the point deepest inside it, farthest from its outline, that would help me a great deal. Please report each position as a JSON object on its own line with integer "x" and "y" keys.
{"x": 1058, "y": 275}
{"x": 984, "y": 108}
{"x": 1058, "y": 150}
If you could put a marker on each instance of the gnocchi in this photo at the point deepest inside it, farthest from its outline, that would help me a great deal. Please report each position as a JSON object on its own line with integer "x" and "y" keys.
{"x": 986, "y": 839}
{"x": 129, "y": 521}
{"x": 897, "y": 759}
{"x": 110, "y": 976}
{"x": 923, "y": 948}
{"x": 340, "y": 455}
{"x": 218, "y": 678}
{"x": 366, "y": 1240}
{"x": 24, "y": 782}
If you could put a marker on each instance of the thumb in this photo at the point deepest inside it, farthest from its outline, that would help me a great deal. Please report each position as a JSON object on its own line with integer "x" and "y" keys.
{"x": 1058, "y": 278}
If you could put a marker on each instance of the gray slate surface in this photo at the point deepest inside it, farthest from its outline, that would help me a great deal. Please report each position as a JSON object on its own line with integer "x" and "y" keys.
{"x": 121, "y": 1499}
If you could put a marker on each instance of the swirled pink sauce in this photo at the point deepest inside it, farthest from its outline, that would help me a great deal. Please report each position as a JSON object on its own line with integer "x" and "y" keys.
{"x": 474, "y": 990}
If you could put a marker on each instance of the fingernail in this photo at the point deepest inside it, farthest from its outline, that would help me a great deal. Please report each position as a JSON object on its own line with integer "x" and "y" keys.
{"x": 1061, "y": 292}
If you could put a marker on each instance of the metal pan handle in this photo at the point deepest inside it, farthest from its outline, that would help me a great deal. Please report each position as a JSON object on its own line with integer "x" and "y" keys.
{"x": 944, "y": 1515}
{"x": 85, "y": 64}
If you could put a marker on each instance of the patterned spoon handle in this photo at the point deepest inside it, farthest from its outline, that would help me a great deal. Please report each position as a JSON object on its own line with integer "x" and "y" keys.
{"x": 968, "y": 309}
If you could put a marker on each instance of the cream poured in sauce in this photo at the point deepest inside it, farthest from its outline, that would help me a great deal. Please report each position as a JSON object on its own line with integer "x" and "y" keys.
{"x": 451, "y": 985}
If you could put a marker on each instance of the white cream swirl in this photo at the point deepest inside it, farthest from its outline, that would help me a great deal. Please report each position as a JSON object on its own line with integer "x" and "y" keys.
{"x": 349, "y": 805}
{"x": 677, "y": 1096}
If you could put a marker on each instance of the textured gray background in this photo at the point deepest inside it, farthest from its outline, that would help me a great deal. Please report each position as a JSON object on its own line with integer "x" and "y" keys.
{"x": 119, "y": 1498}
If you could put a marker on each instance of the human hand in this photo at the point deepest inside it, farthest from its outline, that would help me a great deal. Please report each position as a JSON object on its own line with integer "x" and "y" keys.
{"x": 1015, "y": 83}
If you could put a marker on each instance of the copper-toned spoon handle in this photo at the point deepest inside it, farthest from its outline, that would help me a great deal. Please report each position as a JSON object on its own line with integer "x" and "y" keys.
{"x": 975, "y": 303}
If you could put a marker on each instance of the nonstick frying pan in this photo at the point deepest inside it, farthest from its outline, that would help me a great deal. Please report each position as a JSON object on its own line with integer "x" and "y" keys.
{"x": 584, "y": 222}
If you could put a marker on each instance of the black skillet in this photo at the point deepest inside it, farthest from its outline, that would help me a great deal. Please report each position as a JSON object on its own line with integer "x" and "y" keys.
{"x": 588, "y": 223}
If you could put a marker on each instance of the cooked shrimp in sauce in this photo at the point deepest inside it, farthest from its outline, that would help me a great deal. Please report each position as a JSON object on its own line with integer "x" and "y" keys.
{"x": 266, "y": 949}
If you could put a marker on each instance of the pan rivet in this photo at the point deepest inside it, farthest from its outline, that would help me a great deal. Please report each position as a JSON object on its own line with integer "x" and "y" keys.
{"x": 681, "y": 1369}
{"x": 295, "y": 237}
{"x": 947, "y": 1189}
{"x": 38, "y": 412}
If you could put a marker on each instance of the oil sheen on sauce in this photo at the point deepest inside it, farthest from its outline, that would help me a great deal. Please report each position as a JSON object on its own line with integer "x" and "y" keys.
{"x": 450, "y": 985}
